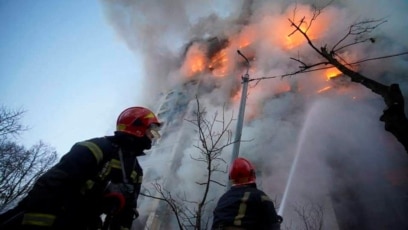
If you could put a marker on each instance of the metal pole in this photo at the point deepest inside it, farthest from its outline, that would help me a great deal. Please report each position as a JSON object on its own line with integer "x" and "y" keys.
{"x": 240, "y": 121}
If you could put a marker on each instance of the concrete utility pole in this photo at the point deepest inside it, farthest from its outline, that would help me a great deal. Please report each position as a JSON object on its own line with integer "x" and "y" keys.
{"x": 240, "y": 121}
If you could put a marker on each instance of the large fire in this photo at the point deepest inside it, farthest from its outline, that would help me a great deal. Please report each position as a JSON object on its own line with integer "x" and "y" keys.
{"x": 271, "y": 32}
{"x": 277, "y": 31}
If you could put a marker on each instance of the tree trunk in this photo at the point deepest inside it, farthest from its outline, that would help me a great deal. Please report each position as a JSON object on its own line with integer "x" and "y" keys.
{"x": 393, "y": 116}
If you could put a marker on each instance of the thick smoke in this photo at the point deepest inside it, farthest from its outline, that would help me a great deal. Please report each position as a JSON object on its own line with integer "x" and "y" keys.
{"x": 343, "y": 153}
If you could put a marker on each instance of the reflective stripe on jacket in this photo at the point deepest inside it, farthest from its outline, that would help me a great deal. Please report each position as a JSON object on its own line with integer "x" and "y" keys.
{"x": 245, "y": 207}
{"x": 38, "y": 219}
{"x": 65, "y": 196}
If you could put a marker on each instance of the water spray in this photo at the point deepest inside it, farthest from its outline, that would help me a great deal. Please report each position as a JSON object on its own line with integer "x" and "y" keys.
{"x": 302, "y": 138}
{"x": 289, "y": 182}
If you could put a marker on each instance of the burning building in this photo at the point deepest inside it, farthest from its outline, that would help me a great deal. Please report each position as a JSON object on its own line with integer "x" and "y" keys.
{"x": 315, "y": 138}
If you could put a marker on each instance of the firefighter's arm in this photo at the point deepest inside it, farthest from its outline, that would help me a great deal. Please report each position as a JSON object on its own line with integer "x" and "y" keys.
{"x": 136, "y": 193}
{"x": 53, "y": 188}
{"x": 273, "y": 220}
{"x": 137, "y": 178}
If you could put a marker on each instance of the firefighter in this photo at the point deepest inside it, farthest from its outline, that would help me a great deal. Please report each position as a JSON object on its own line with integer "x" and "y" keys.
{"x": 74, "y": 193}
{"x": 245, "y": 207}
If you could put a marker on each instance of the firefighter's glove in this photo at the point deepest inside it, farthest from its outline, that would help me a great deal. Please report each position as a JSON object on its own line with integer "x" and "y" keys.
{"x": 277, "y": 224}
{"x": 113, "y": 203}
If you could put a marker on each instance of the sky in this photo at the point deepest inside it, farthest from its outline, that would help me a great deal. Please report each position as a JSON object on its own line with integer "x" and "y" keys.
{"x": 63, "y": 64}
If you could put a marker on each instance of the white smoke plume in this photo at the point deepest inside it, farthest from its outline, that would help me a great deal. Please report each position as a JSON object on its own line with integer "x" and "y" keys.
{"x": 343, "y": 152}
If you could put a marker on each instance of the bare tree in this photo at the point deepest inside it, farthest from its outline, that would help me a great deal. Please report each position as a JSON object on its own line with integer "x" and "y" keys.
{"x": 213, "y": 136}
{"x": 393, "y": 116}
{"x": 311, "y": 215}
{"x": 10, "y": 122}
{"x": 176, "y": 206}
{"x": 19, "y": 167}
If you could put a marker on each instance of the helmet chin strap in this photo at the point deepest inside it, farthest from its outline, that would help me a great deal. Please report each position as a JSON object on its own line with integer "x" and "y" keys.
{"x": 143, "y": 142}
{"x": 132, "y": 144}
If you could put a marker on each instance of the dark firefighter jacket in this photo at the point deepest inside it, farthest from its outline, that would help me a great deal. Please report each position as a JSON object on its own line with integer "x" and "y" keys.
{"x": 68, "y": 196}
{"x": 245, "y": 207}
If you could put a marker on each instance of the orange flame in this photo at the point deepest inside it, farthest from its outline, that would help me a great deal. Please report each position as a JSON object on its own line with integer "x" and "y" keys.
{"x": 288, "y": 37}
{"x": 296, "y": 39}
{"x": 195, "y": 61}
{"x": 219, "y": 64}
{"x": 246, "y": 37}
{"x": 332, "y": 72}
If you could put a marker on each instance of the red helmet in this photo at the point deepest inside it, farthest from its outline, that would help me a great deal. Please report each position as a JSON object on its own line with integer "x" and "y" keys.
{"x": 242, "y": 172}
{"x": 138, "y": 121}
